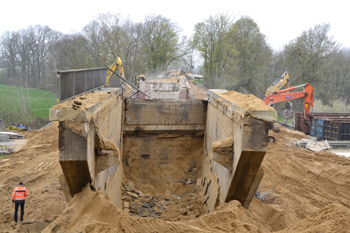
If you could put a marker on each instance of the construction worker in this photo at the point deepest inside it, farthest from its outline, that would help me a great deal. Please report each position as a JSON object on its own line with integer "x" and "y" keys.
{"x": 288, "y": 113}
{"x": 18, "y": 197}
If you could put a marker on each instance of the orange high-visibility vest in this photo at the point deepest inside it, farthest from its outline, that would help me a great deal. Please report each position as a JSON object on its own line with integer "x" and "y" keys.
{"x": 19, "y": 193}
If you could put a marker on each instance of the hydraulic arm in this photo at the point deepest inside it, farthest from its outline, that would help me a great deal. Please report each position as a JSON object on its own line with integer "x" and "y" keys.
{"x": 306, "y": 95}
{"x": 281, "y": 82}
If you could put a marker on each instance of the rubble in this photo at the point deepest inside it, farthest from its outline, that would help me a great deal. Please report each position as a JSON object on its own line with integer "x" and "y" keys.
{"x": 314, "y": 145}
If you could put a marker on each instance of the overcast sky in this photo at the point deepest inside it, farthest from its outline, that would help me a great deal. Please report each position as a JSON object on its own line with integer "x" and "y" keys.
{"x": 280, "y": 21}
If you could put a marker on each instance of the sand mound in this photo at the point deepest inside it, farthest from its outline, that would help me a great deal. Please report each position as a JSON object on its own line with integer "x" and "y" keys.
{"x": 332, "y": 218}
{"x": 82, "y": 102}
{"x": 199, "y": 93}
{"x": 301, "y": 182}
{"x": 305, "y": 192}
{"x": 246, "y": 101}
{"x": 37, "y": 166}
{"x": 92, "y": 211}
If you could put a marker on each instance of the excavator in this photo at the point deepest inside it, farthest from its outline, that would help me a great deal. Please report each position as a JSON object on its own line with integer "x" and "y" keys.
{"x": 115, "y": 67}
{"x": 281, "y": 82}
{"x": 307, "y": 96}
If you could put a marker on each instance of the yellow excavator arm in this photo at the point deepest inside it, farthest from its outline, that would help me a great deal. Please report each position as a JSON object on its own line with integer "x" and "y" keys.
{"x": 116, "y": 67}
{"x": 282, "y": 82}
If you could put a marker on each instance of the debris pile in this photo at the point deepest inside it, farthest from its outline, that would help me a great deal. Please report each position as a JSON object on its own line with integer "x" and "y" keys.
{"x": 187, "y": 201}
{"x": 312, "y": 144}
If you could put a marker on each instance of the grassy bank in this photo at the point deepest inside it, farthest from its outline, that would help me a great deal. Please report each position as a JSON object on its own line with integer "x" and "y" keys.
{"x": 12, "y": 97}
{"x": 199, "y": 82}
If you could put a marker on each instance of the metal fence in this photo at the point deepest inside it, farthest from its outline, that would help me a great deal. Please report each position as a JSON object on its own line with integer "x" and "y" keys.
{"x": 74, "y": 82}
{"x": 129, "y": 90}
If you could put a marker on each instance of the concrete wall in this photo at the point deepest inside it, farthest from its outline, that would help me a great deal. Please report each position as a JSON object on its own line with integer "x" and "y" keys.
{"x": 157, "y": 159}
{"x": 224, "y": 119}
{"x": 159, "y": 116}
{"x": 82, "y": 159}
{"x": 163, "y": 90}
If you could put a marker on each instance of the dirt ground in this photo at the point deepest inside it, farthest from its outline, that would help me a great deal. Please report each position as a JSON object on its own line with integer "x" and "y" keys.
{"x": 301, "y": 191}
{"x": 198, "y": 92}
{"x": 37, "y": 166}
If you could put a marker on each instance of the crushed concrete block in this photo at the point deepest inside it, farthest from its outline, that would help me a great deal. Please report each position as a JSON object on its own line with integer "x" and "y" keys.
{"x": 202, "y": 200}
{"x": 164, "y": 203}
{"x": 126, "y": 204}
{"x": 131, "y": 185}
{"x": 132, "y": 194}
{"x": 140, "y": 194}
{"x": 174, "y": 195}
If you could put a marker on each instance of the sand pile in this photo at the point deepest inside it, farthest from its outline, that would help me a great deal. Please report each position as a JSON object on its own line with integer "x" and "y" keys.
{"x": 302, "y": 184}
{"x": 37, "y": 166}
{"x": 199, "y": 93}
{"x": 170, "y": 80}
{"x": 245, "y": 101}
{"x": 83, "y": 101}
{"x": 305, "y": 192}
{"x": 94, "y": 212}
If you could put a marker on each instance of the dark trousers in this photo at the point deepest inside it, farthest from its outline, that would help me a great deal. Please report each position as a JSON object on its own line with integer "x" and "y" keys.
{"x": 16, "y": 210}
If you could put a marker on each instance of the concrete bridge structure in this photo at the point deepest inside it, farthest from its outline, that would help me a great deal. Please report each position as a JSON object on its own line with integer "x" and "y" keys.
{"x": 107, "y": 135}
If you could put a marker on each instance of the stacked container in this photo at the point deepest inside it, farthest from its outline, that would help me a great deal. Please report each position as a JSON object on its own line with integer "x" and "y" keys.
{"x": 326, "y": 126}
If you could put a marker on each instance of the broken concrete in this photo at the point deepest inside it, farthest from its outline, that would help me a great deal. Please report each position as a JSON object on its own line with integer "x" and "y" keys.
{"x": 85, "y": 137}
{"x": 164, "y": 140}
{"x": 250, "y": 133}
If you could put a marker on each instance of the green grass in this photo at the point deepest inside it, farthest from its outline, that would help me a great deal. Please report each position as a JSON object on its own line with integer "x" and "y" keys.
{"x": 199, "y": 82}
{"x": 40, "y": 101}
{"x": 281, "y": 119}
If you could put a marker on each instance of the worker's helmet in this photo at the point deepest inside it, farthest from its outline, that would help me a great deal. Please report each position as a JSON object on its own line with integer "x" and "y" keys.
{"x": 20, "y": 183}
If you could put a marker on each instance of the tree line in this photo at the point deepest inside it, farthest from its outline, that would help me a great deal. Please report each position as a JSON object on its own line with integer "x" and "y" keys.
{"x": 233, "y": 53}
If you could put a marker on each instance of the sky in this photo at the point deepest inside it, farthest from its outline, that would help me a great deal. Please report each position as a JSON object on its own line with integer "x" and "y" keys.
{"x": 280, "y": 21}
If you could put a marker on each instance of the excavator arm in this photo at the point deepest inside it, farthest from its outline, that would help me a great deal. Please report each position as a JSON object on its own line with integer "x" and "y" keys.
{"x": 281, "y": 82}
{"x": 115, "y": 67}
{"x": 306, "y": 95}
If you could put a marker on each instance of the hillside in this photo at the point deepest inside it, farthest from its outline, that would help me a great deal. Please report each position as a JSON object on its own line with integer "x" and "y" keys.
{"x": 13, "y": 98}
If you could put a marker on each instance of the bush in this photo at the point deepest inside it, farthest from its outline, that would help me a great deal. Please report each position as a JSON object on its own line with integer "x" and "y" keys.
{"x": 337, "y": 106}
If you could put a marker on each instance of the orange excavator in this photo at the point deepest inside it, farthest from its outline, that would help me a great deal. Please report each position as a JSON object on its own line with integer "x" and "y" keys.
{"x": 307, "y": 96}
